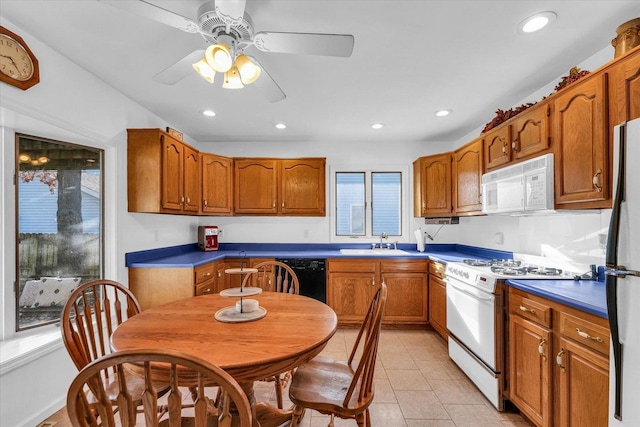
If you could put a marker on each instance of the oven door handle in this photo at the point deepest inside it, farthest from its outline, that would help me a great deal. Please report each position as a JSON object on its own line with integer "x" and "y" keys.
{"x": 464, "y": 291}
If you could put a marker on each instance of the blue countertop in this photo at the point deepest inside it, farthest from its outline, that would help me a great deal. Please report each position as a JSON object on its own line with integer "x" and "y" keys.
{"x": 585, "y": 295}
{"x": 188, "y": 256}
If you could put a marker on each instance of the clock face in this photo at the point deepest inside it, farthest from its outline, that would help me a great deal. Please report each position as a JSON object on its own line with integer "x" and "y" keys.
{"x": 15, "y": 62}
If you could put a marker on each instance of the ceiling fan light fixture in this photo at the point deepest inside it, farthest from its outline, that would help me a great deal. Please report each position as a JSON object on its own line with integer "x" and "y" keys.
{"x": 219, "y": 57}
{"x": 204, "y": 70}
{"x": 249, "y": 71}
{"x": 232, "y": 79}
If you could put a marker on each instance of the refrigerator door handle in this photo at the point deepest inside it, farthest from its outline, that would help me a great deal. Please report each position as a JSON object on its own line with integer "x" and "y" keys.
{"x": 621, "y": 272}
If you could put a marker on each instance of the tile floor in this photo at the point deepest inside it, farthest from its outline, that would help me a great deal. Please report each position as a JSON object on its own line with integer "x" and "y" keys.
{"x": 416, "y": 386}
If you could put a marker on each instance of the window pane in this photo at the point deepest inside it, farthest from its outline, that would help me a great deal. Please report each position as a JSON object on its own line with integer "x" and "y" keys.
{"x": 59, "y": 202}
{"x": 350, "y": 213}
{"x": 386, "y": 209}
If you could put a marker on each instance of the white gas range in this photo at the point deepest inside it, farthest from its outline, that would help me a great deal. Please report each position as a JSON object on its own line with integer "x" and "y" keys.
{"x": 476, "y": 314}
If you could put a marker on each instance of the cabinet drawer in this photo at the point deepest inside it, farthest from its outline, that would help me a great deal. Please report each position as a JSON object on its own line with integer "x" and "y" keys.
{"x": 204, "y": 288}
{"x": 529, "y": 309}
{"x": 352, "y": 265}
{"x": 437, "y": 268}
{"x": 204, "y": 272}
{"x": 585, "y": 332}
{"x": 398, "y": 265}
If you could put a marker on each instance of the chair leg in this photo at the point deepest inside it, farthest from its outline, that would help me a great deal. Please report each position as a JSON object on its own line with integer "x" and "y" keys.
{"x": 298, "y": 411}
{"x": 331, "y": 421}
{"x": 361, "y": 419}
{"x": 367, "y": 418}
{"x": 278, "y": 384}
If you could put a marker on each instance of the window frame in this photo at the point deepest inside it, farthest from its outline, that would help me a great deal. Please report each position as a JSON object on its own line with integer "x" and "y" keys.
{"x": 368, "y": 237}
{"x": 101, "y": 154}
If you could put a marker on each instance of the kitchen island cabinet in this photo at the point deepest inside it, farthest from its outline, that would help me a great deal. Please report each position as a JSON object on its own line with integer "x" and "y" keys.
{"x": 163, "y": 173}
{"x": 568, "y": 350}
{"x": 351, "y": 283}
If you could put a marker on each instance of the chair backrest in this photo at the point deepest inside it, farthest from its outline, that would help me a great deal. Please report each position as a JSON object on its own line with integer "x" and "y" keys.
{"x": 362, "y": 382}
{"x": 88, "y": 403}
{"x": 274, "y": 276}
{"x": 91, "y": 314}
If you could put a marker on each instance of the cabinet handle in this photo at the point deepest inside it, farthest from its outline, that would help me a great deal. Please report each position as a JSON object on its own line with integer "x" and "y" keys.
{"x": 182, "y": 200}
{"x": 188, "y": 200}
{"x": 283, "y": 204}
{"x": 586, "y": 336}
{"x": 373, "y": 282}
{"x": 274, "y": 205}
{"x": 514, "y": 144}
{"x": 559, "y": 359}
{"x": 504, "y": 148}
{"x": 206, "y": 291}
{"x": 219, "y": 274}
{"x": 541, "y": 349}
{"x": 596, "y": 181}
{"x": 527, "y": 310}
{"x": 424, "y": 205}
{"x": 204, "y": 202}
{"x": 207, "y": 274}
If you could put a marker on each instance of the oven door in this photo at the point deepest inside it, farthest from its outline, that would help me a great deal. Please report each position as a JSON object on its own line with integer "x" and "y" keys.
{"x": 471, "y": 319}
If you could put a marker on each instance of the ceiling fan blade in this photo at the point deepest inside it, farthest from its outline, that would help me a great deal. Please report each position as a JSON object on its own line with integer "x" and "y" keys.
{"x": 180, "y": 69}
{"x": 267, "y": 85}
{"x": 155, "y": 13}
{"x": 305, "y": 43}
{"x": 230, "y": 11}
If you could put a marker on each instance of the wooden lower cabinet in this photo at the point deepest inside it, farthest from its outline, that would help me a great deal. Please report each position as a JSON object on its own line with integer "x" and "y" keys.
{"x": 353, "y": 282}
{"x": 438, "y": 299}
{"x": 558, "y": 363}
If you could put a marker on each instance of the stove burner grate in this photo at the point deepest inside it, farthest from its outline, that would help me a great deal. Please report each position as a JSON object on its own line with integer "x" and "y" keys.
{"x": 509, "y": 270}
{"x": 477, "y": 262}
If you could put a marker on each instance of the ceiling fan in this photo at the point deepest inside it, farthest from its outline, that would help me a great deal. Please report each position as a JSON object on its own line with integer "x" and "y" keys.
{"x": 226, "y": 25}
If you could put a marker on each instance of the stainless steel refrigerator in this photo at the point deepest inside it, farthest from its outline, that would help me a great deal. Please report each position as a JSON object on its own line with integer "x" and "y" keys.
{"x": 623, "y": 279}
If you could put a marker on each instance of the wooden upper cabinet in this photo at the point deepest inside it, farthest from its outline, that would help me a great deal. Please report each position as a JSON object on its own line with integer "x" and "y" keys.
{"x": 217, "y": 185}
{"x": 624, "y": 88}
{"x": 432, "y": 185}
{"x": 302, "y": 187}
{"x": 163, "y": 173}
{"x": 581, "y": 164}
{"x": 497, "y": 147}
{"x": 467, "y": 178}
{"x": 266, "y": 186}
{"x": 256, "y": 186}
{"x": 531, "y": 132}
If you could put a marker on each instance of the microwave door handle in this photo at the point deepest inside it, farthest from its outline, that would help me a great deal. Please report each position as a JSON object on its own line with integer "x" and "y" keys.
{"x": 611, "y": 280}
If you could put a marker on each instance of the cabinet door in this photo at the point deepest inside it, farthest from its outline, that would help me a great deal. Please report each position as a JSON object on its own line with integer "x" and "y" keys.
{"x": 497, "y": 147}
{"x": 172, "y": 174}
{"x": 438, "y": 305}
{"x": 531, "y": 132}
{"x": 432, "y": 183}
{"x": 467, "y": 177}
{"x": 349, "y": 294}
{"x": 583, "y": 398}
{"x": 255, "y": 186}
{"x": 217, "y": 185}
{"x": 624, "y": 100}
{"x": 407, "y": 298}
{"x": 191, "y": 180}
{"x": 302, "y": 188}
{"x": 582, "y": 150}
{"x": 530, "y": 369}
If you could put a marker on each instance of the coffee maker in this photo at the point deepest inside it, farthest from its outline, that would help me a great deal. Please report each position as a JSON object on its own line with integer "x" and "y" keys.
{"x": 208, "y": 237}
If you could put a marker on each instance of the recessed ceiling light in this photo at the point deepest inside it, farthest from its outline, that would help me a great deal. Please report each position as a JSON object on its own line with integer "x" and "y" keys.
{"x": 377, "y": 126}
{"x": 209, "y": 113}
{"x": 536, "y": 22}
{"x": 281, "y": 126}
{"x": 442, "y": 113}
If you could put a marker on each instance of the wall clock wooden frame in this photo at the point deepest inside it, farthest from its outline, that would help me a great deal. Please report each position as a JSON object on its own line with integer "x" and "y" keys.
{"x": 23, "y": 54}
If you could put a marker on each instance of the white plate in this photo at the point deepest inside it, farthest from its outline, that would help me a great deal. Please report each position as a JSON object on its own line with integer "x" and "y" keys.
{"x": 246, "y": 291}
{"x": 231, "y": 315}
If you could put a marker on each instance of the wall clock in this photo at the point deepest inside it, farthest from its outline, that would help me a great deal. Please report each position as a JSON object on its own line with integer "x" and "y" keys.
{"x": 18, "y": 65}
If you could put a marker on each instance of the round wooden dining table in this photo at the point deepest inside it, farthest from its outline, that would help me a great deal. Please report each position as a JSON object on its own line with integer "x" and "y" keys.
{"x": 294, "y": 330}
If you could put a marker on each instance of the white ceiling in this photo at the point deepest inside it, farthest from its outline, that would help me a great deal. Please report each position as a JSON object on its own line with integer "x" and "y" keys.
{"x": 410, "y": 59}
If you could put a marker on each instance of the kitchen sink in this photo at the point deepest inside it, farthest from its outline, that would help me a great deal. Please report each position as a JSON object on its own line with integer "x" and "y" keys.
{"x": 374, "y": 252}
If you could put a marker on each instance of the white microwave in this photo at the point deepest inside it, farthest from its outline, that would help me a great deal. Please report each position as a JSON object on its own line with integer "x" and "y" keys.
{"x": 521, "y": 188}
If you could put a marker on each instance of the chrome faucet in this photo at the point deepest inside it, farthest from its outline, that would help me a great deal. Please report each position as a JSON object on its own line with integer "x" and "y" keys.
{"x": 383, "y": 236}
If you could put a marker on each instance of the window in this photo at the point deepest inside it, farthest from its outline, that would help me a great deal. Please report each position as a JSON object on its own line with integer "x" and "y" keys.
{"x": 354, "y": 217}
{"x": 59, "y": 225}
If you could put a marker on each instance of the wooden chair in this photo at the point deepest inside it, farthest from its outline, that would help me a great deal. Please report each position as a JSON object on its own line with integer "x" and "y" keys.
{"x": 92, "y": 312}
{"x": 335, "y": 387}
{"x": 89, "y": 403}
{"x": 275, "y": 276}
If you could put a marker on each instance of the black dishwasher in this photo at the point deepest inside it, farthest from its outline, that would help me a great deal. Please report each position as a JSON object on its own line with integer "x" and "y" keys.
{"x": 311, "y": 274}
